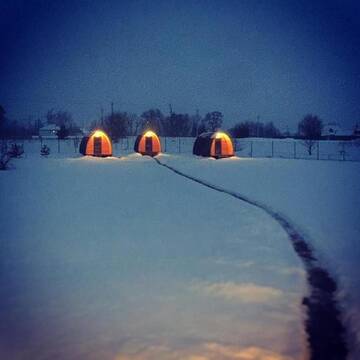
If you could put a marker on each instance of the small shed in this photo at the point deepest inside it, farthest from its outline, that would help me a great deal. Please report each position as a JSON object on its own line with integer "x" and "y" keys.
{"x": 97, "y": 144}
{"x": 148, "y": 144}
{"x": 214, "y": 144}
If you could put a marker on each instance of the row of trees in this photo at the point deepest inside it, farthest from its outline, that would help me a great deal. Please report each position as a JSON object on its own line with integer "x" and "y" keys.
{"x": 121, "y": 124}
{"x": 309, "y": 129}
{"x": 25, "y": 129}
{"x": 255, "y": 129}
{"x": 117, "y": 124}
{"x": 12, "y": 129}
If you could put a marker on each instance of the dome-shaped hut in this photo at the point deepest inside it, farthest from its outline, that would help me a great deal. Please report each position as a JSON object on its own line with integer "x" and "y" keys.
{"x": 97, "y": 144}
{"x": 148, "y": 144}
{"x": 214, "y": 144}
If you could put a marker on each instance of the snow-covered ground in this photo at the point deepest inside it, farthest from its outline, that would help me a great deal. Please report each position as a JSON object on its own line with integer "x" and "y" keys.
{"x": 321, "y": 197}
{"x": 119, "y": 258}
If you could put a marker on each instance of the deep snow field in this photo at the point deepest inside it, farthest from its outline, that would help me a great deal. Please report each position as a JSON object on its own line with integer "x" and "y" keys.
{"x": 119, "y": 258}
{"x": 322, "y": 198}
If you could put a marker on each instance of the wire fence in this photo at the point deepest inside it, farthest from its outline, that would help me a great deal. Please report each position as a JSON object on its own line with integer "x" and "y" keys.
{"x": 249, "y": 147}
{"x": 299, "y": 149}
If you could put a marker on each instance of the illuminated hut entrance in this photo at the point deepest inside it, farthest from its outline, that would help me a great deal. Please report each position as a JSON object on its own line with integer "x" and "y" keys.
{"x": 97, "y": 144}
{"x": 214, "y": 144}
{"x": 217, "y": 147}
{"x": 148, "y": 144}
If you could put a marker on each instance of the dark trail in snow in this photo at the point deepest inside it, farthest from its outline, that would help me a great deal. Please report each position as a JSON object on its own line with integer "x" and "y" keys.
{"x": 325, "y": 331}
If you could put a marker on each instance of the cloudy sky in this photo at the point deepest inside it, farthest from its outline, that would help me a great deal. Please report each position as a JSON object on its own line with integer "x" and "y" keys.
{"x": 274, "y": 59}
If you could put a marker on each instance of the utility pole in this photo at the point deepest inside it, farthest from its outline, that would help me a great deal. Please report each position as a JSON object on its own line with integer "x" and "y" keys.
{"x": 197, "y": 122}
{"x": 170, "y": 109}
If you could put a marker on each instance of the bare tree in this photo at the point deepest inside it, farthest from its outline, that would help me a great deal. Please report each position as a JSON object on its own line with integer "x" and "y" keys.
{"x": 153, "y": 119}
{"x": 177, "y": 125}
{"x": 213, "y": 120}
{"x": 240, "y": 130}
{"x": 310, "y": 145}
{"x": 342, "y": 149}
{"x": 309, "y": 129}
{"x": 195, "y": 124}
{"x": 138, "y": 124}
{"x": 62, "y": 133}
{"x": 59, "y": 118}
{"x": 133, "y": 121}
{"x": 271, "y": 131}
{"x": 116, "y": 124}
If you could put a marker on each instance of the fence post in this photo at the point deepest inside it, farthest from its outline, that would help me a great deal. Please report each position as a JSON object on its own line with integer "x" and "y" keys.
{"x": 294, "y": 149}
{"x": 165, "y": 143}
{"x": 272, "y": 148}
{"x": 318, "y": 150}
{"x": 58, "y": 145}
{"x": 179, "y": 145}
{"x": 251, "y": 148}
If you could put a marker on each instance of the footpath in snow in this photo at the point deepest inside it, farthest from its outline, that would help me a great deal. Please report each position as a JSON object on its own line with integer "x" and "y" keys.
{"x": 321, "y": 197}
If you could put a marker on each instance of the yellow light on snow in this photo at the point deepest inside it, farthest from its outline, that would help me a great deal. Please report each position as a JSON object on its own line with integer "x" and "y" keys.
{"x": 98, "y": 133}
{"x": 149, "y": 134}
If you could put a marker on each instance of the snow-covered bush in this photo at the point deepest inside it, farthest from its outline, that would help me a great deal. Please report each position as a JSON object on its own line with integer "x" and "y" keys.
{"x": 16, "y": 150}
{"x": 7, "y": 154}
{"x": 45, "y": 150}
{"x": 4, "y": 156}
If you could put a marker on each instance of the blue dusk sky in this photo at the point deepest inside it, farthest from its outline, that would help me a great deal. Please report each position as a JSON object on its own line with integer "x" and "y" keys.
{"x": 276, "y": 60}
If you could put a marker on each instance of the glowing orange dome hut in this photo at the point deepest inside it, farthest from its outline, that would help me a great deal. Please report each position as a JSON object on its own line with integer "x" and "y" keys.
{"x": 97, "y": 144}
{"x": 147, "y": 144}
{"x": 215, "y": 144}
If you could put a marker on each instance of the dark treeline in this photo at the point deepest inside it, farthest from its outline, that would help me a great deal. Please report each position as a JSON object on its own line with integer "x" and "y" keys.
{"x": 255, "y": 129}
{"x": 121, "y": 124}
{"x": 13, "y": 129}
{"x": 16, "y": 130}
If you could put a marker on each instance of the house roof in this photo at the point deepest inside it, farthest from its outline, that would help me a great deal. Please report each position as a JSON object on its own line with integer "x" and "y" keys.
{"x": 334, "y": 129}
{"x": 50, "y": 127}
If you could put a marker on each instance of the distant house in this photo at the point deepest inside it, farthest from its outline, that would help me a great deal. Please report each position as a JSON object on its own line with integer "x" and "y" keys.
{"x": 333, "y": 131}
{"x": 49, "y": 131}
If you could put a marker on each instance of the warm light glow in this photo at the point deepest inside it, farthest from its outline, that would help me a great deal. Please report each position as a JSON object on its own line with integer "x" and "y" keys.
{"x": 98, "y": 133}
{"x": 149, "y": 134}
{"x": 226, "y": 148}
{"x": 220, "y": 135}
{"x": 98, "y": 144}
